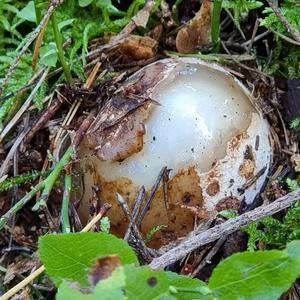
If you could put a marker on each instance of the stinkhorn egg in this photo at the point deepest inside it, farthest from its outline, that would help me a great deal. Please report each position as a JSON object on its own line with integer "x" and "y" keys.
{"x": 203, "y": 126}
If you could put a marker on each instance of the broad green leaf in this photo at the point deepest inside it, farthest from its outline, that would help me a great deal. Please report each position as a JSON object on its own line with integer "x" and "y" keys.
{"x": 257, "y": 275}
{"x": 130, "y": 282}
{"x": 70, "y": 256}
{"x": 143, "y": 283}
{"x": 65, "y": 292}
{"x": 111, "y": 288}
{"x": 28, "y": 12}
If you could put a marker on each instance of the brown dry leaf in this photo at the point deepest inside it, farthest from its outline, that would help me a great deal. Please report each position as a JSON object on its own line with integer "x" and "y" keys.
{"x": 19, "y": 266}
{"x": 103, "y": 268}
{"x": 138, "y": 47}
{"x": 21, "y": 238}
{"x": 197, "y": 32}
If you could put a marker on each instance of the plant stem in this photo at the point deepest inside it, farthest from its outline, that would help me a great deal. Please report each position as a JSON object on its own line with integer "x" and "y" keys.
{"x": 4, "y": 218}
{"x": 60, "y": 51}
{"x": 51, "y": 179}
{"x": 45, "y": 184}
{"x": 38, "y": 14}
{"x": 66, "y": 228}
{"x": 215, "y": 26}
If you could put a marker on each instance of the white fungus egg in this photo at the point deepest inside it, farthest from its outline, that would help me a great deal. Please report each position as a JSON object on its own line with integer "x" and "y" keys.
{"x": 203, "y": 126}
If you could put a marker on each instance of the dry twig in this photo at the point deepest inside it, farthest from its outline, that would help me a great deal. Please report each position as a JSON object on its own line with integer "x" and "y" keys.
{"x": 152, "y": 194}
{"x": 136, "y": 210}
{"x": 225, "y": 228}
{"x": 137, "y": 239}
{"x": 210, "y": 255}
{"x": 45, "y": 117}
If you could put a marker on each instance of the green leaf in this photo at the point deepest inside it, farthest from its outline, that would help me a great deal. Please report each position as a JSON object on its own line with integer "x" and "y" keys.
{"x": 292, "y": 184}
{"x": 143, "y": 283}
{"x": 112, "y": 287}
{"x": 241, "y": 8}
{"x": 84, "y": 3}
{"x": 130, "y": 282}
{"x": 69, "y": 256}
{"x": 5, "y": 22}
{"x": 65, "y": 23}
{"x": 257, "y": 275}
{"x": 108, "y": 289}
{"x": 28, "y": 12}
{"x": 66, "y": 292}
{"x": 48, "y": 55}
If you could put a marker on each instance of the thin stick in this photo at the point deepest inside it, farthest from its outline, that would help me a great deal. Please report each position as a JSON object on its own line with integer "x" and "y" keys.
{"x": 210, "y": 255}
{"x": 53, "y": 5}
{"x": 138, "y": 241}
{"x": 225, "y": 228}
{"x": 135, "y": 212}
{"x": 24, "y": 107}
{"x": 294, "y": 33}
{"x": 236, "y": 24}
{"x": 287, "y": 39}
{"x": 41, "y": 269}
{"x": 253, "y": 35}
{"x": 102, "y": 213}
{"x": 44, "y": 118}
{"x": 257, "y": 38}
{"x": 76, "y": 104}
{"x": 152, "y": 194}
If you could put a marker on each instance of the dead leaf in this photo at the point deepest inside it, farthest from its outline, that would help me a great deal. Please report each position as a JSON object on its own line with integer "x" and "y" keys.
{"x": 103, "y": 268}
{"x": 19, "y": 266}
{"x": 197, "y": 32}
{"x": 138, "y": 47}
{"x": 21, "y": 238}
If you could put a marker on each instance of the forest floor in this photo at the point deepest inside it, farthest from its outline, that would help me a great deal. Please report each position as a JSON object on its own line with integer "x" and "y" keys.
{"x": 63, "y": 62}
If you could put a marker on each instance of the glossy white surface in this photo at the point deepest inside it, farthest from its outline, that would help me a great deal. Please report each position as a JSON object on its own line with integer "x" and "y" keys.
{"x": 201, "y": 110}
